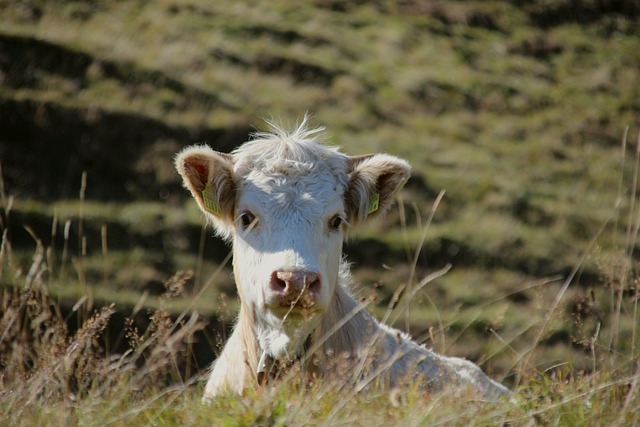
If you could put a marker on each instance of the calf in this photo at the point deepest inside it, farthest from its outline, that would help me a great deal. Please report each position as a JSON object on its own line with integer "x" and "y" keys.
{"x": 285, "y": 202}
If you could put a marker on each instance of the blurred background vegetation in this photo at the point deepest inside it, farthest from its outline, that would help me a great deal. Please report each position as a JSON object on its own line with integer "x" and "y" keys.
{"x": 526, "y": 113}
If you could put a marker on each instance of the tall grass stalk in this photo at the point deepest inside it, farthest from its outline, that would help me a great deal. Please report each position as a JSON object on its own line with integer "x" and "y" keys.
{"x": 631, "y": 239}
{"x": 80, "y": 261}
{"x": 416, "y": 258}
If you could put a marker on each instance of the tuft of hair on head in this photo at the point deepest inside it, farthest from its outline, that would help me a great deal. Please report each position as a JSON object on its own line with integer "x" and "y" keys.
{"x": 281, "y": 147}
{"x": 300, "y": 131}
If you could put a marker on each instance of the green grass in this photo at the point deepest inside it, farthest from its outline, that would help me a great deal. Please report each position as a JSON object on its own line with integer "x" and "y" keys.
{"x": 580, "y": 402}
{"x": 60, "y": 380}
{"x": 518, "y": 112}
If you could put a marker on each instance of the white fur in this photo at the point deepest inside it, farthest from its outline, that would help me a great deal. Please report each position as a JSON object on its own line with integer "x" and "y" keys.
{"x": 294, "y": 187}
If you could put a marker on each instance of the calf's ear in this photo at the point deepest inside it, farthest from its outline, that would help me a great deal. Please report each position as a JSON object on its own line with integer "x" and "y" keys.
{"x": 208, "y": 175}
{"x": 373, "y": 181}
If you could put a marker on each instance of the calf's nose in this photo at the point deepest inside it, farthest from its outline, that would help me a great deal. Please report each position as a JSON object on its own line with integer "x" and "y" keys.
{"x": 295, "y": 282}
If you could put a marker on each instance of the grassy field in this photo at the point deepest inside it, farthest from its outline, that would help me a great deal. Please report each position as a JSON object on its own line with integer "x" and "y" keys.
{"x": 526, "y": 114}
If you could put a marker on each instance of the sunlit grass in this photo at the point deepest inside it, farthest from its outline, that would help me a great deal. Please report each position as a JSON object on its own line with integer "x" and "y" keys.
{"x": 526, "y": 148}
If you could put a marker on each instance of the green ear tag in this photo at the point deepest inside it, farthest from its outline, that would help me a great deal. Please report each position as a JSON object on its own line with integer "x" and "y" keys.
{"x": 374, "y": 204}
{"x": 209, "y": 203}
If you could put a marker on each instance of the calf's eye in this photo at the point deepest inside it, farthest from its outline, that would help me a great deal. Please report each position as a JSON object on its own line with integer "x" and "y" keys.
{"x": 247, "y": 218}
{"x": 335, "y": 222}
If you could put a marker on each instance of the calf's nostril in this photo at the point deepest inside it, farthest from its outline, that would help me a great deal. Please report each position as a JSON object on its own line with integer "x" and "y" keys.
{"x": 314, "y": 286}
{"x": 277, "y": 283}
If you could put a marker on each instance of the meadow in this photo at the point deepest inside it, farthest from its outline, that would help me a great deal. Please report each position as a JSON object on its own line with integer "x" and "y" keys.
{"x": 520, "y": 119}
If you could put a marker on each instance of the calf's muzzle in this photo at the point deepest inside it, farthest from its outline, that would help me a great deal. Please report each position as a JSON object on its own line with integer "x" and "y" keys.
{"x": 295, "y": 287}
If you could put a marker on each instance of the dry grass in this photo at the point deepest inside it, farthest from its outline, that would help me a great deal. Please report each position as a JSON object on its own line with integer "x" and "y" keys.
{"x": 44, "y": 368}
{"x": 52, "y": 377}
{"x": 54, "y": 368}
{"x": 52, "y": 374}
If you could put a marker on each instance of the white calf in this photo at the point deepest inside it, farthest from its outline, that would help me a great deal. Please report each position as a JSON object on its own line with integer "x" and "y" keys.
{"x": 285, "y": 202}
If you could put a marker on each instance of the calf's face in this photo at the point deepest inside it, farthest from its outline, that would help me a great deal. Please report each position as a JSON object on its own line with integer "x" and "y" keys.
{"x": 287, "y": 247}
{"x": 286, "y": 208}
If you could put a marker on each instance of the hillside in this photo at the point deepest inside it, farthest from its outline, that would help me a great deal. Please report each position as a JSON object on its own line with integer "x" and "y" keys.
{"x": 525, "y": 113}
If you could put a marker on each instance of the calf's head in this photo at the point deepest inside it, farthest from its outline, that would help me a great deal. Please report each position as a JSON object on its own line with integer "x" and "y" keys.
{"x": 285, "y": 202}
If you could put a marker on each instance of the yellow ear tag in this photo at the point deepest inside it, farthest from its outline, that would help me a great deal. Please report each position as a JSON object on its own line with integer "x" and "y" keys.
{"x": 374, "y": 204}
{"x": 210, "y": 204}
